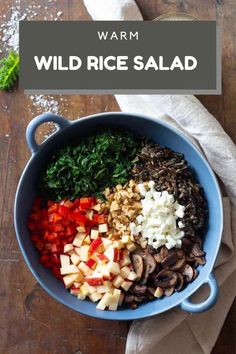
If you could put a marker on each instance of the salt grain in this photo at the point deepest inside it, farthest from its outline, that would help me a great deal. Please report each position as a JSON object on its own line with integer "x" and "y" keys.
{"x": 9, "y": 36}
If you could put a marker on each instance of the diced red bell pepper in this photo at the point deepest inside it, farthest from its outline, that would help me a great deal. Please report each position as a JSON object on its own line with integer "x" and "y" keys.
{"x": 63, "y": 210}
{"x": 55, "y": 248}
{"x": 44, "y": 258}
{"x": 56, "y": 271}
{"x": 53, "y": 208}
{"x": 86, "y": 203}
{"x": 68, "y": 204}
{"x": 70, "y": 231}
{"x": 76, "y": 202}
{"x": 99, "y": 218}
{"x": 58, "y": 228}
{"x": 95, "y": 244}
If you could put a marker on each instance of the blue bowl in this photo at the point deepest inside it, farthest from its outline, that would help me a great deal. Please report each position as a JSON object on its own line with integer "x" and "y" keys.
{"x": 161, "y": 133}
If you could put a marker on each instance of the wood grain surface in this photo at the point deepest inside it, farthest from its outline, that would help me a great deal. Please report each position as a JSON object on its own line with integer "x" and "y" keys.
{"x": 30, "y": 320}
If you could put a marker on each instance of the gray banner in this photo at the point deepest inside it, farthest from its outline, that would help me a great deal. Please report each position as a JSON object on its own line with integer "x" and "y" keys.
{"x": 120, "y": 57}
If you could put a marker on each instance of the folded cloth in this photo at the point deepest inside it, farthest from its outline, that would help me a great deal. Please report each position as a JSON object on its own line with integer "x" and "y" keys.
{"x": 103, "y": 10}
{"x": 176, "y": 331}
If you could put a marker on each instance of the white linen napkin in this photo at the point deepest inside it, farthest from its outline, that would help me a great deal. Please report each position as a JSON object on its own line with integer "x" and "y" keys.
{"x": 176, "y": 331}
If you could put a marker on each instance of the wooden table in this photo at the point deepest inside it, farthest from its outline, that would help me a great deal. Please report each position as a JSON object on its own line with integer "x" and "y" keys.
{"x": 31, "y": 321}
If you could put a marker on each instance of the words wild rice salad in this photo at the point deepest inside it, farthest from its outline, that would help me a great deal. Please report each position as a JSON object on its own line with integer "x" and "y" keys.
{"x": 119, "y": 220}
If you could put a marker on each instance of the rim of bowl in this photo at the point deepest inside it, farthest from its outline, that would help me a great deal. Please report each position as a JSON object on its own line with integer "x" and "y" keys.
{"x": 105, "y": 314}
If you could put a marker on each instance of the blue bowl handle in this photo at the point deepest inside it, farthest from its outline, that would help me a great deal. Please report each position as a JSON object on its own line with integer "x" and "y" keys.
{"x": 188, "y": 306}
{"x": 60, "y": 122}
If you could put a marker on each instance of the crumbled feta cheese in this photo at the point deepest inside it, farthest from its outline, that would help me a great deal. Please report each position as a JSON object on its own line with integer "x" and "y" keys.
{"x": 158, "y": 221}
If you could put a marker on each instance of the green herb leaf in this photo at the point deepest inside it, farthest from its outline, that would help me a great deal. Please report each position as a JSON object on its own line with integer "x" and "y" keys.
{"x": 9, "y": 71}
{"x": 99, "y": 161}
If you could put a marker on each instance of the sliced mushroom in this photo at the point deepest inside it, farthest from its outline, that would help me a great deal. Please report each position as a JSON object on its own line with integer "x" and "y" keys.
{"x": 151, "y": 250}
{"x": 169, "y": 291}
{"x": 133, "y": 305}
{"x": 164, "y": 252}
{"x": 169, "y": 260}
{"x": 200, "y": 260}
{"x": 180, "y": 253}
{"x": 178, "y": 265}
{"x": 180, "y": 282}
{"x": 150, "y": 266}
{"x": 196, "y": 251}
{"x": 166, "y": 279}
{"x": 190, "y": 258}
{"x": 188, "y": 273}
{"x": 138, "y": 265}
{"x": 151, "y": 290}
{"x": 138, "y": 289}
{"x": 195, "y": 273}
{"x": 128, "y": 298}
{"x": 157, "y": 257}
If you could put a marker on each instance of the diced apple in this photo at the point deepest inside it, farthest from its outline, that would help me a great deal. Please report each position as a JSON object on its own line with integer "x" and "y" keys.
{"x": 87, "y": 240}
{"x": 117, "y": 281}
{"x": 95, "y": 245}
{"x": 101, "y": 269}
{"x": 75, "y": 291}
{"x": 77, "y": 285}
{"x": 102, "y": 289}
{"x": 85, "y": 269}
{"x": 113, "y": 267}
{"x": 91, "y": 263}
{"x": 132, "y": 276}
{"x": 125, "y": 261}
{"x": 75, "y": 259}
{"x": 84, "y": 290}
{"x": 112, "y": 253}
{"x": 81, "y": 229}
{"x": 125, "y": 239}
{"x": 83, "y": 252}
{"x": 126, "y": 285}
{"x": 119, "y": 244}
{"x": 90, "y": 288}
{"x": 81, "y": 296}
{"x": 65, "y": 260}
{"x": 94, "y": 281}
{"x": 95, "y": 297}
{"x": 124, "y": 272}
{"x": 101, "y": 258}
{"x": 94, "y": 234}
{"x": 79, "y": 238}
{"x": 70, "y": 253}
{"x": 103, "y": 228}
{"x": 68, "y": 247}
{"x": 159, "y": 292}
{"x": 70, "y": 279}
{"x": 104, "y": 302}
{"x": 108, "y": 283}
{"x": 115, "y": 300}
{"x": 131, "y": 246}
{"x": 106, "y": 242}
{"x": 70, "y": 269}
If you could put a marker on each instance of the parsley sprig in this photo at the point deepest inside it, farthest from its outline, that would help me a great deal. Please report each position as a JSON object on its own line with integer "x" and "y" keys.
{"x": 9, "y": 71}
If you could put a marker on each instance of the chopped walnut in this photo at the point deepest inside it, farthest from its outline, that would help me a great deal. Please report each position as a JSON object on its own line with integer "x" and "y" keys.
{"x": 123, "y": 205}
